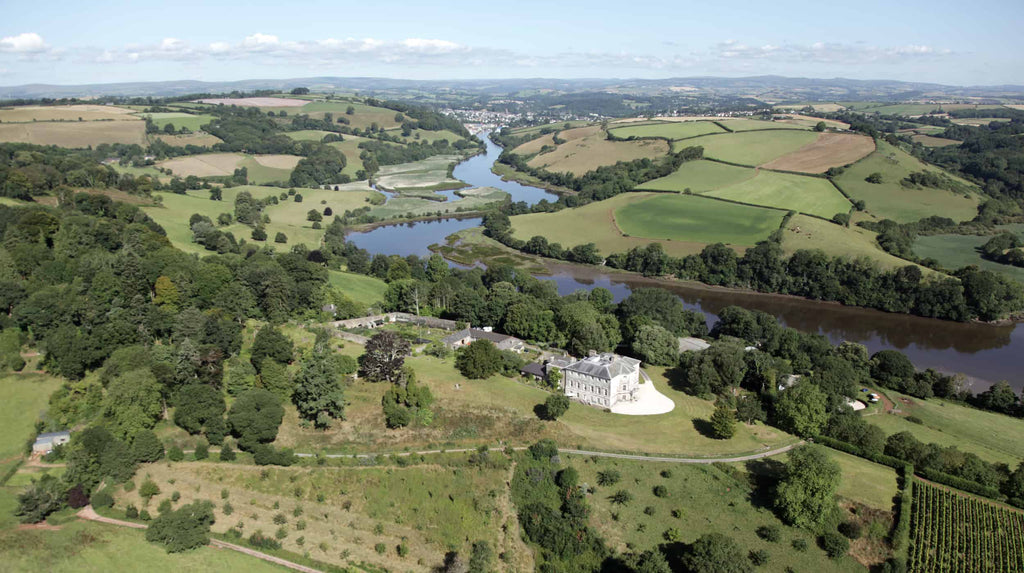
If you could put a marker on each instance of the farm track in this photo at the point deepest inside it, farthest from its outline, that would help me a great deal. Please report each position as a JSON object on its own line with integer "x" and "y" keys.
{"x": 89, "y": 514}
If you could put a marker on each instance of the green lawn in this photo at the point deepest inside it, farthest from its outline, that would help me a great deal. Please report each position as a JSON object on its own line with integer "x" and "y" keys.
{"x": 890, "y": 200}
{"x": 709, "y": 499}
{"x": 993, "y": 437}
{"x": 360, "y": 288}
{"x": 179, "y": 119}
{"x": 756, "y": 124}
{"x": 956, "y": 251}
{"x": 307, "y": 135}
{"x": 866, "y": 482}
{"x": 811, "y": 195}
{"x": 83, "y": 547}
{"x": 668, "y": 130}
{"x": 23, "y": 400}
{"x": 700, "y": 177}
{"x": 750, "y": 148}
{"x": 803, "y": 232}
{"x": 697, "y": 219}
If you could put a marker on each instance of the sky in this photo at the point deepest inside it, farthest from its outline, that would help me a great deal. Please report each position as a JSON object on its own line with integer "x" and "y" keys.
{"x": 940, "y": 41}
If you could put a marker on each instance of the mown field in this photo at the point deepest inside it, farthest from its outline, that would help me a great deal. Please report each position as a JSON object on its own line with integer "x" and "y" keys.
{"x": 811, "y": 195}
{"x": 587, "y": 148}
{"x": 755, "y": 124}
{"x": 74, "y": 133}
{"x": 993, "y": 437}
{"x": 179, "y": 119}
{"x": 708, "y": 499}
{"x": 956, "y": 251}
{"x": 803, "y": 232}
{"x": 700, "y": 177}
{"x": 23, "y": 400}
{"x": 261, "y": 169}
{"x": 890, "y": 200}
{"x": 30, "y": 113}
{"x": 751, "y": 148}
{"x": 596, "y": 223}
{"x": 930, "y": 141}
{"x": 696, "y": 219}
{"x": 201, "y": 139}
{"x": 829, "y": 150}
{"x": 360, "y": 288}
{"x": 672, "y": 130}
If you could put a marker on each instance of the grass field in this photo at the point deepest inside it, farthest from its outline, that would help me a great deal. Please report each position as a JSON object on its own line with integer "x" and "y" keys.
{"x": 308, "y": 135}
{"x": 993, "y": 437}
{"x": 672, "y": 130}
{"x": 74, "y": 134}
{"x": 930, "y": 141}
{"x": 31, "y": 113}
{"x": 910, "y": 109}
{"x": 891, "y": 200}
{"x": 427, "y": 174}
{"x": 811, "y": 195}
{"x": 700, "y": 177}
{"x": 364, "y": 115}
{"x": 261, "y": 169}
{"x": 755, "y": 124}
{"x": 829, "y": 150}
{"x": 201, "y": 139}
{"x": 469, "y": 200}
{"x": 558, "y": 125}
{"x": 84, "y": 547}
{"x": 350, "y": 147}
{"x": 753, "y": 148}
{"x": 803, "y": 232}
{"x": 695, "y": 219}
{"x": 360, "y": 288}
{"x": 587, "y": 148}
{"x": 179, "y": 119}
{"x": 535, "y": 145}
{"x": 708, "y": 499}
{"x": 956, "y": 251}
{"x": 596, "y": 223}
{"x": 23, "y": 400}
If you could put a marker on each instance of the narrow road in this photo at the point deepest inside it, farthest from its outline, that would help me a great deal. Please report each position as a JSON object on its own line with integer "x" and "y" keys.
{"x": 88, "y": 513}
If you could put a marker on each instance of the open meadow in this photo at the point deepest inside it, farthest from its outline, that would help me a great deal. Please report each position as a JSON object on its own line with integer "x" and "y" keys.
{"x": 671, "y": 130}
{"x": 956, "y": 251}
{"x": 829, "y": 150}
{"x": 40, "y": 113}
{"x": 751, "y": 148}
{"x": 261, "y": 169}
{"x": 891, "y": 200}
{"x": 803, "y": 232}
{"x": 739, "y": 124}
{"x": 427, "y": 175}
{"x": 74, "y": 133}
{"x": 178, "y": 119}
{"x": 931, "y": 141}
{"x": 23, "y": 400}
{"x": 350, "y": 148}
{"x": 587, "y": 148}
{"x": 700, "y": 176}
{"x": 363, "y": 289}
{"x": 811, "y": 195}
{"x": 475, "y": 199}
{"x": 697, "y": 219}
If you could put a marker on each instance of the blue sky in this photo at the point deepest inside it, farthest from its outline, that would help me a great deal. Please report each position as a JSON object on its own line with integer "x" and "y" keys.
{"x": 961, "y": 43}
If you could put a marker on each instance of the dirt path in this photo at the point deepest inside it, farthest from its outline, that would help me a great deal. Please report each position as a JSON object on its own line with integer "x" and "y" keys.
{"x": 88, "y": 513}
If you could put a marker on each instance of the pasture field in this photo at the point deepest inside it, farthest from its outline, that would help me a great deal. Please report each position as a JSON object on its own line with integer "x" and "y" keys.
{"x": 23, "y": 400}
{"x": 337, "y": 514}
{"x": 179, "y": 119}
{"x": 534, "y": 145}
{"x": 201, "y": 139}
{"x": 595, "y": 223}
{"x": 350, "y": 147}
{"x": 74, "y": 133}
{"x": 957, "y": 251}
{"x": 273, "y": 102}
{"x": 432, "y": 136}
{"x": 672, "y": 130}
{"x": 695, "y": 219}
{"x": 752, "y": 148}
{"x": 979, "y": 120}
{"x": 428, "y": 174}
{"x": 363, "y": 289}
{"x": 708, "y": 498}
{"x": 829, "y": 150}
{"x": 811, "y": 195}
{"x": 820, "y": 107}
{"x": 809, "y": 121}
{"x": 993, "y": 437}
{"x": 953, "y": 531}
{"x": 87, "y": 547}
{"x": 559, "y": 125}
{"x": 755, "y": 124}
{"x": 308, "y": 134}
{"x": 470, "y": 200}
{"x": 931, "y": 141}
{"x": 587, "y": 149}
{"x": 912, "y": 109}
{"x": 204, "y": 165}
{"x": 700, "y": 177}
{"x": 890, "y": 200}
{"x": 30, "y": 113}
{"x": 803, "y": 232}
{"x": 364, "y": 116}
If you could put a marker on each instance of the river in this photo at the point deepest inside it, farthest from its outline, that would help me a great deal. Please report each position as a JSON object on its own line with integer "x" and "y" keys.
{"x": 985, "y": 354}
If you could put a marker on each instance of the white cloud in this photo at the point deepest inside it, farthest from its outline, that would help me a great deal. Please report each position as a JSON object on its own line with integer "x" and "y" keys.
{"x": 260, "y": 40}
{"x": 822, "y": 52}
{"x": 26, "y": 43}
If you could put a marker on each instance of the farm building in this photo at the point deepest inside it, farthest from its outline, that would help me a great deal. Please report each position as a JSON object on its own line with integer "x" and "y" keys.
{"x": 467, "y": 336}
{"x": 691, "y": 344}
{"x": 602, "y": 379}
{"x": 534, "y": 370}
{"x": 45, "y": 443}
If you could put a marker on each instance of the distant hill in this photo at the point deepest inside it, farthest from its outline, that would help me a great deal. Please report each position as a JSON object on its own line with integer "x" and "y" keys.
{"x": 766, "y": 87}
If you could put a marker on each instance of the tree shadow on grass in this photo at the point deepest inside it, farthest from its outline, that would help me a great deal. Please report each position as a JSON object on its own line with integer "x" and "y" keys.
{"x": 677, "y": 379}
{"x": 764, "y": 474}
{"x": 704, "y": 428}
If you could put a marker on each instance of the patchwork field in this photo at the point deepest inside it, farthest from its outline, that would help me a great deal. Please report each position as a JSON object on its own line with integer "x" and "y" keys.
{"x": 700, "y": 177}
{"x": 201, "y": 139}
{"x": 428, "y": 174}
{"x": 697, "y": 219}
{"x": 803, "y": 232}
{"x": 261, "y": 168}
{"x": 820, "y": 107}
{"x": 752, "y": 148}
{"x": 956, "y": 251}
{"x": 812, "y": 195}
{"x": 930, "y": 141}
{"x": 308, "y": 134}
{"x": 30, "y": 113}
{"x": 587, "y": 148}
{"x": 179, "y": 119}
{"x": 809, "y": 121}
{"x": 829, "y": 150}
{"x": 891, "y": 200}
{"x": 535, "y": 145}
{"x": 673, "y": 130}
{"x": 74, "y": 133}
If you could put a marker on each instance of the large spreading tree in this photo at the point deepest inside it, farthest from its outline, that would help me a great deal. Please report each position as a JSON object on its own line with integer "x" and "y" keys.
{"x": 318, "y": 393}
{"x": 384, "y": 357}
{"x": 805, "y": 497}
{"x": 255, "y": 417}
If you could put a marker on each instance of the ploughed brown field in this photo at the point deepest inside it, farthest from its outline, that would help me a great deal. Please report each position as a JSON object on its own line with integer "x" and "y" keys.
{"x": 74, "y": 133}
{"x": 829, "y": 150}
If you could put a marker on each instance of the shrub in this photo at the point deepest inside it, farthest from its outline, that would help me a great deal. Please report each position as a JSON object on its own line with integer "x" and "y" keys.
{"x": 281, "y": 532}
{"x": 175, "y": 496}
{"x": 621, "y": 497}
{"x": 673, "y": 535}
{"x": 835, "y": 545}
{"x": 402, "y": 549}
{"x": 77, "y": 498}
{"x": 851, "y": 529}
{"x": 800, "y": 544}
{"x": 228, "y": 509}
{"x": 554, "y": 406}
{"x": 144, "y": 515}
{"x": 649, "y": 510}
{"x": 660, "y": 491}
{"x": 260, "y": 541}
{"x": 202, "y": 451}
{"x": 164, "y": 507}
{"x": 769, "y": 533}
{"x": 184, "y": 529}
{"x": 175, "y": 454}
{"x": 608, "y": 477}
{"x": 131, "y": 512}
{"x": 102, "y": 499}
{"x": 280, "y": 519}
{"x": 227, "y": 453}
{"x": 148, "y": 489}
{"x": 759, "y": 558}
{"x": 666, "y": 473}
{"x": 380, "y": 548}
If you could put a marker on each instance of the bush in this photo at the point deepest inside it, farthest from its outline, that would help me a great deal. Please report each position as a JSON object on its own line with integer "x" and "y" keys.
{"x": 164, "y": 507}
{"x": 77, "y": 497}
{"x": 280, "y": 238}
{"x": 131, "y": 512}
{"x": 380, "y": 548}
{"x": 184, "y": 529}
{"x": 800, "y": 545}
{"x": 202, "y": 451}
{"x": 175, "y": 454}
{"x": 851, "y": 529}
{"x": 40, "y": 499}
{"x": 608, "y": 477}
{"x": 144, "y": 515}
{"x": 666, "y": 474}
{"x": 660, "y": 491}
{"x": 260, "y": 541}
{"x": 544, "y": 450}
{"x": 835, "y": 545}
{"x": 265, "y": 455}
{"x": 228, "y": 509}
{"x": 148, "y": 489}
{"x": 102, "y": 499}
{"x": 227, "y": 453}
{"x": 554, "y": 406}
{"x": 769, "y": 533}
{"x": 759, "y": 558}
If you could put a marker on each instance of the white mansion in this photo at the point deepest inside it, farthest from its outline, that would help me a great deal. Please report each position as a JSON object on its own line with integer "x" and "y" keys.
{"x": 601, "y": 380}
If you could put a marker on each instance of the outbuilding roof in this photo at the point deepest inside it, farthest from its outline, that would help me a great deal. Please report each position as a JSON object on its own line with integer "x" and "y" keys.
{"x": 605, "y": 366}
{"x": 50, "y": 437}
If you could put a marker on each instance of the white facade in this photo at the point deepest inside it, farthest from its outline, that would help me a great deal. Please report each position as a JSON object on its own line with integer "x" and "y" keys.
{"x": 602, "y": 380}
